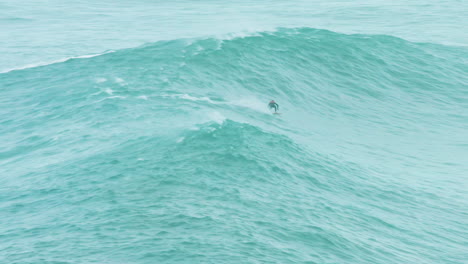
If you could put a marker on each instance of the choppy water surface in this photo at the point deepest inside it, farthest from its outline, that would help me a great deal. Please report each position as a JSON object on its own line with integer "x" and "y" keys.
{"x": 139, "y": 133}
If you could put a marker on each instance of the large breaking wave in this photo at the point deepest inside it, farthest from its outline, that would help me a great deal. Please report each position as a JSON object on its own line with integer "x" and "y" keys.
{"x": 171, "y": 143}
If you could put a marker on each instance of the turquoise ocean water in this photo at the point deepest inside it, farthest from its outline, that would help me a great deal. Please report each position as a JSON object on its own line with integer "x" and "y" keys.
{"x": 138, "y": 132}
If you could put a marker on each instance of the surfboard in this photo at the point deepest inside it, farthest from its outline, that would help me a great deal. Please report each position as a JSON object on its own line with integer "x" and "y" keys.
{"x": 277, "y": 113}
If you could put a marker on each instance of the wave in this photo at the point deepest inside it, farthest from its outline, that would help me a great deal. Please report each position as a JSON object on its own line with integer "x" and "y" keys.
{"x": 370, "y": 144}
{"x": 217, "y": 42}
{"x": 315, "y": 74}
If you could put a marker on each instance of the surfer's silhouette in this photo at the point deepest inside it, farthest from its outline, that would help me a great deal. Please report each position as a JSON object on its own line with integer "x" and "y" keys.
{"x": 273, "y": 105}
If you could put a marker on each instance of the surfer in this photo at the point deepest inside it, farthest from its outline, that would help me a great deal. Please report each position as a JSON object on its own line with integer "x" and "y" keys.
{"x": 274, "y": 105}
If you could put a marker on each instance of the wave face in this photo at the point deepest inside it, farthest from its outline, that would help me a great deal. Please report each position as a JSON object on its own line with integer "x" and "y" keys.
{"x": 38, "y": 34}
{"x": 166, "y": 153}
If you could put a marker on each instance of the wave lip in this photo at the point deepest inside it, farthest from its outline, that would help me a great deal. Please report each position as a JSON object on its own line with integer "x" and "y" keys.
{"x": 274, "y": 35}
{"x": 40, "y": 64}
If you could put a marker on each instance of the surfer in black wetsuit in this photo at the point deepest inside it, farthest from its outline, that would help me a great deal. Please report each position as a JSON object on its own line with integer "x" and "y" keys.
{"x": 274, "y": 105}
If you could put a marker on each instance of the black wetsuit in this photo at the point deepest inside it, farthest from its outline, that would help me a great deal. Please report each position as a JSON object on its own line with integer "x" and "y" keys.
{"x": 274, "y": 105}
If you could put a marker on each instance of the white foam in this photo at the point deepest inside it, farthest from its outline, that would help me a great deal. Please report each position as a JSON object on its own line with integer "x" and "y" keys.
{"x": 110, "y": 97}
{"x": 193, "y": 98}
{"x": 109, "y": 91}
{"x": 34, "y": 65}
{"x": 216, "y": 117}
{"x": 247, "y": 102}
{"x": 181, "y": 139}
{"x": 189, "y": 97}
{"x": 210, "y": 129}
{"x": 144, "y": 97}
{"x": 100, "y": 80}
{"x": 119, "y": 80}
{"x": 243, "y": 34}
{"x": 252, "y": 103}
{"x": 248, "y": 32}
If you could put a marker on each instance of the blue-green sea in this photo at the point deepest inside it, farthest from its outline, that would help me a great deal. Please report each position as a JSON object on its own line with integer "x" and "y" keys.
{"x": 139, "y": 132}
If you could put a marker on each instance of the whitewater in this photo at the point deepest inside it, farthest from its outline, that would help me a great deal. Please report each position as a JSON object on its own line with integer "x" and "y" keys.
{"x": 140, "y": 132}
